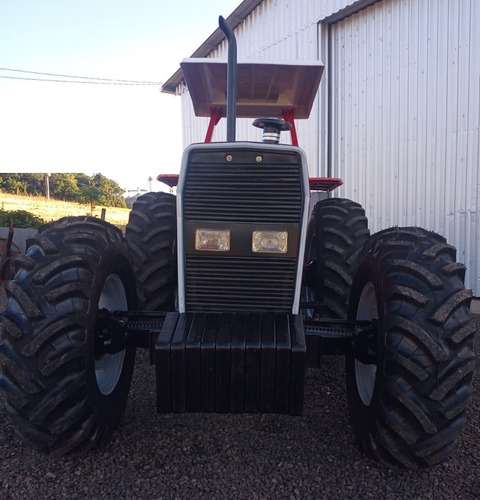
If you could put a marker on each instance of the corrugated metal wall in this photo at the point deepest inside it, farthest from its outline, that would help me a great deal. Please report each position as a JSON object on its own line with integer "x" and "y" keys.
{"x": 402, "y": 127}
{"x": 406, "y": 114}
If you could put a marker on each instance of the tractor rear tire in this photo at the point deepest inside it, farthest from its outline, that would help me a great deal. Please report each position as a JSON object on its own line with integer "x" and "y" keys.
{"x": 409, "y": 383}
{"x": 337, "y": 232}
{"x": 63, "y": 394}
{"x": 151, "y": 235}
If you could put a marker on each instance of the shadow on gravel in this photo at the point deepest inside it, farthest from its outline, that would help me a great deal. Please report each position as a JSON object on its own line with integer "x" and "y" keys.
{"x": 212, "y": 456}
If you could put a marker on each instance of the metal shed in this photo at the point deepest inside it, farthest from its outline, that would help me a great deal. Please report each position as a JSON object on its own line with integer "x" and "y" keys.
{"x": 397, "y": 116}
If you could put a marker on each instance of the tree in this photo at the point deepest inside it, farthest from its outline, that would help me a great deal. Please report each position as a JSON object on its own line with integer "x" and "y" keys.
{"x": 64, "y": 187}
{"x": 91, "y": 195}
{"x": 112, "y": 193}
{"x": 34, "y": 183}
{"x": 83, "y": 180}
{"x": 11, "y": 183}
{"x": 67, "y": 187}
{"x": 22, "y": 184}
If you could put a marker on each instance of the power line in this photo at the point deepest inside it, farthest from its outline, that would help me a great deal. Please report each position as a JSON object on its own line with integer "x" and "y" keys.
{"x": 158, "y": 84}
{"x": 73, "y": 76}
{"x": 76, "y": 79}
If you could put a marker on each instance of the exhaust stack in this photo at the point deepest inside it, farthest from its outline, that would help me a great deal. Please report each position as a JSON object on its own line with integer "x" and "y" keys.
{"x": 231, "y": 79}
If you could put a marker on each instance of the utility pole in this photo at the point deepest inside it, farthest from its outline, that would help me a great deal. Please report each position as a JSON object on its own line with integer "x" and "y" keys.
{"x": 46, "y": 184}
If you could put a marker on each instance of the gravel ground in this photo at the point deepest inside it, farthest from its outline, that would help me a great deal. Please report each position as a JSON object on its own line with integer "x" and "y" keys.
{"x": 210, "y": 456}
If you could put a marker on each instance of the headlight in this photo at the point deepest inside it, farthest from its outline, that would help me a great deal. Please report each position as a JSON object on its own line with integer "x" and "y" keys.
{"x": 214, "y": 240}
{"x": 270, "y": 241}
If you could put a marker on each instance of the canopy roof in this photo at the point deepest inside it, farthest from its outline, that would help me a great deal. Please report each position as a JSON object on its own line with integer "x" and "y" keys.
{"x": 263, "y": 88}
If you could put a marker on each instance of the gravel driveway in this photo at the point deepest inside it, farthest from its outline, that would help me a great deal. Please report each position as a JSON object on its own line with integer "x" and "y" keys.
{"x": 211, "y": 456}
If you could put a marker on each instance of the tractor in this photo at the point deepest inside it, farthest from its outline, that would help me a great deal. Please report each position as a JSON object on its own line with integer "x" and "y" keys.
{"x": 236, "y": 286}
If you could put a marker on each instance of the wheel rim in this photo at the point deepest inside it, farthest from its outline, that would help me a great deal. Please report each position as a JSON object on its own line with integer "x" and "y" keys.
{"x": 108, "y": 368}
{"x": 365, "y": 374}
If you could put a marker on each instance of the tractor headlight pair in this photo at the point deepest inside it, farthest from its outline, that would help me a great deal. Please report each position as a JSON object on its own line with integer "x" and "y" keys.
{"x": 218, "y": 240}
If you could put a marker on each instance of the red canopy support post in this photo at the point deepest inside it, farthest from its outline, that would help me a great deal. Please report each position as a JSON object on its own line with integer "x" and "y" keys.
{"x": 288, "y": 115}
{"x": 215, "y": 115}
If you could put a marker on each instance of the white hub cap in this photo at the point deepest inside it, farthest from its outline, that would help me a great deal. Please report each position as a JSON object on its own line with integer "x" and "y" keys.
{"x": 365, "y": 374}
{"x": 109, "y": 367}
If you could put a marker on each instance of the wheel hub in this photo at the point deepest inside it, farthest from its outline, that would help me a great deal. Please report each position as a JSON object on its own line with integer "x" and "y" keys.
{"x": 365, "y": 360}
{"x": 108, "y": 367}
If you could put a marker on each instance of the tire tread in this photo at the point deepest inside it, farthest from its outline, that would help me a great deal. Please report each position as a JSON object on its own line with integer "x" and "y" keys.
{"x": 426, "y": 376}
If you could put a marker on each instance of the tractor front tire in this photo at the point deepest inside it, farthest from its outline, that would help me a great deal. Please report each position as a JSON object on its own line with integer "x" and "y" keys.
{"x": 337, "y": 232}
{"x": 151, "y": 235}
{"x": 409, "y": 380}
{"x": 64, "y": 394}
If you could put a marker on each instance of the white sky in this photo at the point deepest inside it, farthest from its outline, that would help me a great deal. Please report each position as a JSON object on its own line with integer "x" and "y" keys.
{"x": 126, "y": 133}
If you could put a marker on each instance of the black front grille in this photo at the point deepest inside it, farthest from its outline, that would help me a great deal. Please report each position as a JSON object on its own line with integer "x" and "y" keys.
{"x": 241, "y": 186}
{"x": 239, "y": 284}
{"x": 242, "y": 192}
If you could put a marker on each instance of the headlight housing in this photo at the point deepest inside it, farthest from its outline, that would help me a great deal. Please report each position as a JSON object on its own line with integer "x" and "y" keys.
{"x": 213, "y": 240}
{"x": 270, "y": 242}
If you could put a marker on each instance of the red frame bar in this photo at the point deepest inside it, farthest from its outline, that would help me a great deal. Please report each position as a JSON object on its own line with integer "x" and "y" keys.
{"x": 168, "y": 179}
{"x": 215, "y": 115}
{"x": 288, "y": 115}
{"x": 324, "y": 183}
